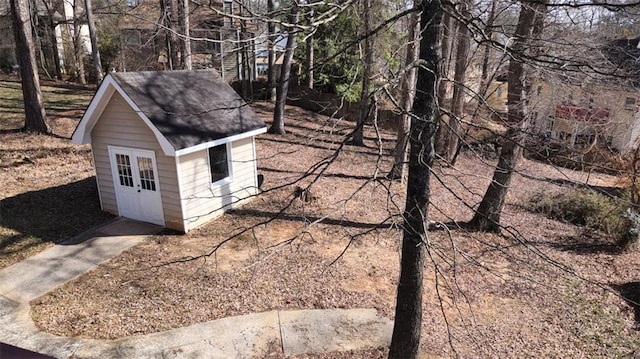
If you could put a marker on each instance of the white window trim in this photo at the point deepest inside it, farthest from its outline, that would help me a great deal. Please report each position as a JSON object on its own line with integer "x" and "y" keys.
{"x": 227, "y": 179}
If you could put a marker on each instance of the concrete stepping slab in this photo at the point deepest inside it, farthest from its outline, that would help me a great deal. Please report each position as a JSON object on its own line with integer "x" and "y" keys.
{"x": 233, "y": 337}
{"x": 327, "y": 330}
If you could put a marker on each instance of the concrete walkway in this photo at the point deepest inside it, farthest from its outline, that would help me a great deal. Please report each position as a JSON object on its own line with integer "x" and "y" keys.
{"x": 252, "y": 335}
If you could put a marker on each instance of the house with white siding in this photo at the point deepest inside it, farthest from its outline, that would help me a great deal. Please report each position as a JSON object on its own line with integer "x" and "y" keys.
{"x": 174, "y": 148}
{"x": 578, "y": 114}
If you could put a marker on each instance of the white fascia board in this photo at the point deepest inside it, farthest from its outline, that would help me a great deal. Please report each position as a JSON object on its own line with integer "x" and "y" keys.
{"x": 205, "y": 145}
{"x": 82, "y": 133}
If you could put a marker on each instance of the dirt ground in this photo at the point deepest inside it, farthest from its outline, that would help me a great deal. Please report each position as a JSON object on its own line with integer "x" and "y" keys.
{"x": 542, "y": 289}
{"x": 47, "y": 184}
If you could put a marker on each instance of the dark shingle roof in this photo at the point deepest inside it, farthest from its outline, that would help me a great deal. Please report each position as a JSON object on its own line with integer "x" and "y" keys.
{"x": 189, "y": 107}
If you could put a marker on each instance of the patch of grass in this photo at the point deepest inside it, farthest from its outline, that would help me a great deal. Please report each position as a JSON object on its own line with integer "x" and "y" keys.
{"x": 601, "y": 326}
{"x": 584, "y": 208}
{"x": 58, "y": 99}
{"x": 15, "y": 247}
{"x": 47, "y": 193}
{"x": 34, "y": 220}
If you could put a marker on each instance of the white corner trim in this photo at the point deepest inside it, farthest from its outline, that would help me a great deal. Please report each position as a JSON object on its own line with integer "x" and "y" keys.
{"x": 93, "y": 159}
{"x": 81, "y": 135}
{"x": 183, "y": 210}
{"x": 220, "y": 141}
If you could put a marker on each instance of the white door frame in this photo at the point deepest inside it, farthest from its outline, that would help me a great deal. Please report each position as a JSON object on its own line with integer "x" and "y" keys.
{"x": 137, "y": 190}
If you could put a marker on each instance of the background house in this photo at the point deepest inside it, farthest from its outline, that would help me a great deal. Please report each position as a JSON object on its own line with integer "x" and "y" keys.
{"x": 55, "y": 30}
{"x": 174, "y": 148}
{"x": 219, "y": 41}
{"x": 578, "y": 115}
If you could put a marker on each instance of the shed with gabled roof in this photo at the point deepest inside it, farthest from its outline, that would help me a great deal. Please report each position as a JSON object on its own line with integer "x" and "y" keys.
{"x": 174, "y": 148}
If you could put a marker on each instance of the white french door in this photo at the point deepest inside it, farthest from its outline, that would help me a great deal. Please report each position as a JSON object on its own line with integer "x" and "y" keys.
{"x": 135, "y": 180}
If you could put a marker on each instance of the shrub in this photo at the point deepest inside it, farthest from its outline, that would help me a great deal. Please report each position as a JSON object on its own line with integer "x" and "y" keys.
{"x": 583, "y": 207}
{"x": 631, "y": 238}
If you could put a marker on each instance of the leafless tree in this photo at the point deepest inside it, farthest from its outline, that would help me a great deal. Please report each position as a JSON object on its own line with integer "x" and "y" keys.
{"x": 484, "y": 77}
{"x": 487, "y": 216}
{"x": 35, "y": 115}
{"x": 310, "y": 53}
{"x": 78, "y": 44}
{"x": 463, "y": 37}
{"x": 405, "y": 341}
{"x": 185, "y": 26}
{"x": 271, "y": 43}
{"x": 365, "y": 105}
{"x": 285, "y": 74}
{"x": 443, "y": 84}
{"x": 169, "y": 14}
{"x": 400, "y": 154}
{"x": 95, "y": 52}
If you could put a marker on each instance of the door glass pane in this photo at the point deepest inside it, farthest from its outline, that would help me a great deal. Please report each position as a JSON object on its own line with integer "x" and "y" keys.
{"x": 147, "y": 177}
{"x": 124, "y": 170}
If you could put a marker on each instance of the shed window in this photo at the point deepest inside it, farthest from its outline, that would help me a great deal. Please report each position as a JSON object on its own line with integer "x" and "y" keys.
{"x": 218, "y": 163}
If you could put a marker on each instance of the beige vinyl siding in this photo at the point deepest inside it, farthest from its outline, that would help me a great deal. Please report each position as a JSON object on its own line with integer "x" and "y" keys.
{"x": 244, "y": 171}
{"x": 201, "y": 200}
{"x": 120, "y": 126}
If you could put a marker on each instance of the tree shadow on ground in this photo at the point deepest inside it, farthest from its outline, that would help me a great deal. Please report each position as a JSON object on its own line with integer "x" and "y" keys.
{"x": 10, "y": 131}
{"x": 605, "y": 190}
{"x": 630, "y": 292}
{"x": 585, "y": 244}
{"x": 310, "y": 219}
{"x": 327, "y": 175}
{"x": 52, "y": 214}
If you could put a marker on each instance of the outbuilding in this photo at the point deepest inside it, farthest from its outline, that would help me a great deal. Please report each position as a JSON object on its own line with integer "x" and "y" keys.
{"x": 174, "y": 148}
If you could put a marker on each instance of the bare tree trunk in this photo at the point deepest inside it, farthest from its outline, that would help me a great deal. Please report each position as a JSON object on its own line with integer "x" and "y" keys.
{"x": 186, "y": 32}
{"x": 271, "y": 41}
{"x": 484, "y": 77}
{"x": 56, "y": 54}
{"x": 487, "y": 216}
{"x": 168, "y": 8}
{"x": 400, "y": 154}
{"x": 95, "y": 52}
{"x": 405, "y": 341}
{"x": 309, "y": 59}
{"x": 457, "y": 103}
{"x": 277, "y": 126}
{"x": 35, "y": 116}
{"x": 364, "y": 107}
{"x": 441, "y": 138}
{"x": 246, "y": 54}
{"x": 54, "y": 39}
{"x": 78, "y": 45}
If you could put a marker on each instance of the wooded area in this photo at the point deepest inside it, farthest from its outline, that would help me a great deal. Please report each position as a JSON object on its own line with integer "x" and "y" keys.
{"x": 554, "y": 82}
